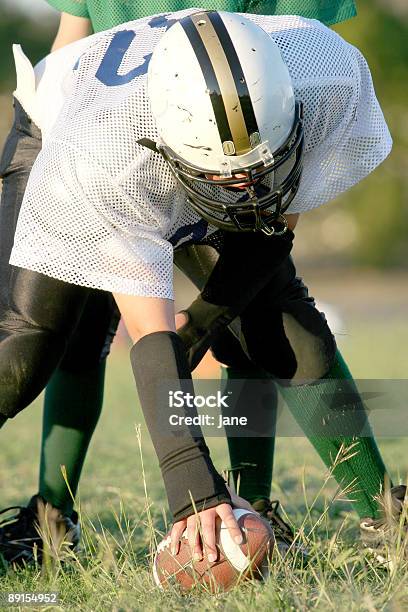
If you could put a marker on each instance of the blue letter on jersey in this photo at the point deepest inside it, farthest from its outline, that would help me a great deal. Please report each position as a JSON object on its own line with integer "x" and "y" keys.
{"x": 107, "y": 72}
{"x": 197, "y": 231}
{"x": 161, "y": 21}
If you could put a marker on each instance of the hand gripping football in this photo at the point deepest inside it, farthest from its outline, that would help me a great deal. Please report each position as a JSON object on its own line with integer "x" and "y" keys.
{"x": 235, "y": 563}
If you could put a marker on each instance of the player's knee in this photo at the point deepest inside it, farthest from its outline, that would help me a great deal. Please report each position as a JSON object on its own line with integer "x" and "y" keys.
{"x": 301, "y": 353}
{"x": 313, "y": 350}
{"x": 28, "y": 356}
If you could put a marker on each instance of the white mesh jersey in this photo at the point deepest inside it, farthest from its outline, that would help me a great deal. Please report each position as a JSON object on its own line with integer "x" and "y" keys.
{"x": 102, "y": 211}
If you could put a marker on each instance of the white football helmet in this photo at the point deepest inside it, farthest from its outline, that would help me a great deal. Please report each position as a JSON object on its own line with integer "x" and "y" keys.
{"x": 223, "y": 103}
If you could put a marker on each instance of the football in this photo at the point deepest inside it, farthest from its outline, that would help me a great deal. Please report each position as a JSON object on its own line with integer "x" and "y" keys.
{"x": 235, "y": 563}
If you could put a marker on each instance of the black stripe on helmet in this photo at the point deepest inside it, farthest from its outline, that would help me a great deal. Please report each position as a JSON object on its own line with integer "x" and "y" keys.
{"x": 236, "y": 70}
{"x": 209, "y": 77}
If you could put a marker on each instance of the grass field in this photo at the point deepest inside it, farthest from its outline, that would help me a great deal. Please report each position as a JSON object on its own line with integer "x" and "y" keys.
{"x": 120, "y": 524}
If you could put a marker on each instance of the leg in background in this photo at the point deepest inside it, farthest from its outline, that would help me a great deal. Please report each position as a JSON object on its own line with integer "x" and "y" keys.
{"x": 73, "y": 401}
{"x": 315, "y": 383}
{"x": 251, "y": 459}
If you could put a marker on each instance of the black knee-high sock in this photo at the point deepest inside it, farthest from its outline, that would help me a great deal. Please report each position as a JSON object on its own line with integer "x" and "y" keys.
{"x": 251, "y": 458}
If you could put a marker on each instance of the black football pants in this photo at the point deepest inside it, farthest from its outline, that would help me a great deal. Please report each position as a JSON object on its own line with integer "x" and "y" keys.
{"x": 43, "y": 322}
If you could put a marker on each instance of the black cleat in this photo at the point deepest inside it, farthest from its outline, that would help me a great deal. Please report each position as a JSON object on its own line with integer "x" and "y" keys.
{"x": 37, "y": 530}
{"x": 285, "y": 539}
{"x": 386, "y": 538}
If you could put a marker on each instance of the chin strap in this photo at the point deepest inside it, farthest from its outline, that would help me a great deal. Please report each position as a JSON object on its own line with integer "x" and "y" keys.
{"x": 148, "y": 144}
{"x": 271, "y": 230}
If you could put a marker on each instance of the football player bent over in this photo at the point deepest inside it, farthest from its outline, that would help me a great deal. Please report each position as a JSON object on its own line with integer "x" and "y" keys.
{"x": 214, "y": 128}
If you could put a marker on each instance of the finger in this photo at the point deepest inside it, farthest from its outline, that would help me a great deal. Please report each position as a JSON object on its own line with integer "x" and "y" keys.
{"x": 194, "y": 537}
{"x": 224, "y": 511}
{"x": 208, "y": 534}
{"x": 181, "y": 319}
{"x": 176, "y": 533}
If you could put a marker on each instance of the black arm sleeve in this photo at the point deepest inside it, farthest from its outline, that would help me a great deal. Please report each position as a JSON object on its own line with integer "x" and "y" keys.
{"x": 246, "y": 264}
{"x": 184, "y": 458}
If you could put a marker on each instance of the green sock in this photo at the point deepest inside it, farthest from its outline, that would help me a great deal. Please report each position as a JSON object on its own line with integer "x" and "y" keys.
{"x": 72, "y": 406}
{"x": 364, "y": 472}
{"x": 251, "y": 459}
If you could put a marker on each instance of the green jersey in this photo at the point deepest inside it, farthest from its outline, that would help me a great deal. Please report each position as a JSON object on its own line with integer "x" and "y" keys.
{"x": 105, "y": 14}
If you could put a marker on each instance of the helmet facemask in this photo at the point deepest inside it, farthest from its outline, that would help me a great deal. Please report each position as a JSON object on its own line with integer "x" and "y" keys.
{"x": 258, "y": 211}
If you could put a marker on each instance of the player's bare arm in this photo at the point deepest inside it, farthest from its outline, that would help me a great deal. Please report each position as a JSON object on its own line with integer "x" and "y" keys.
{"x": 144, "y": 316}
{"x": 70, "y": 29}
